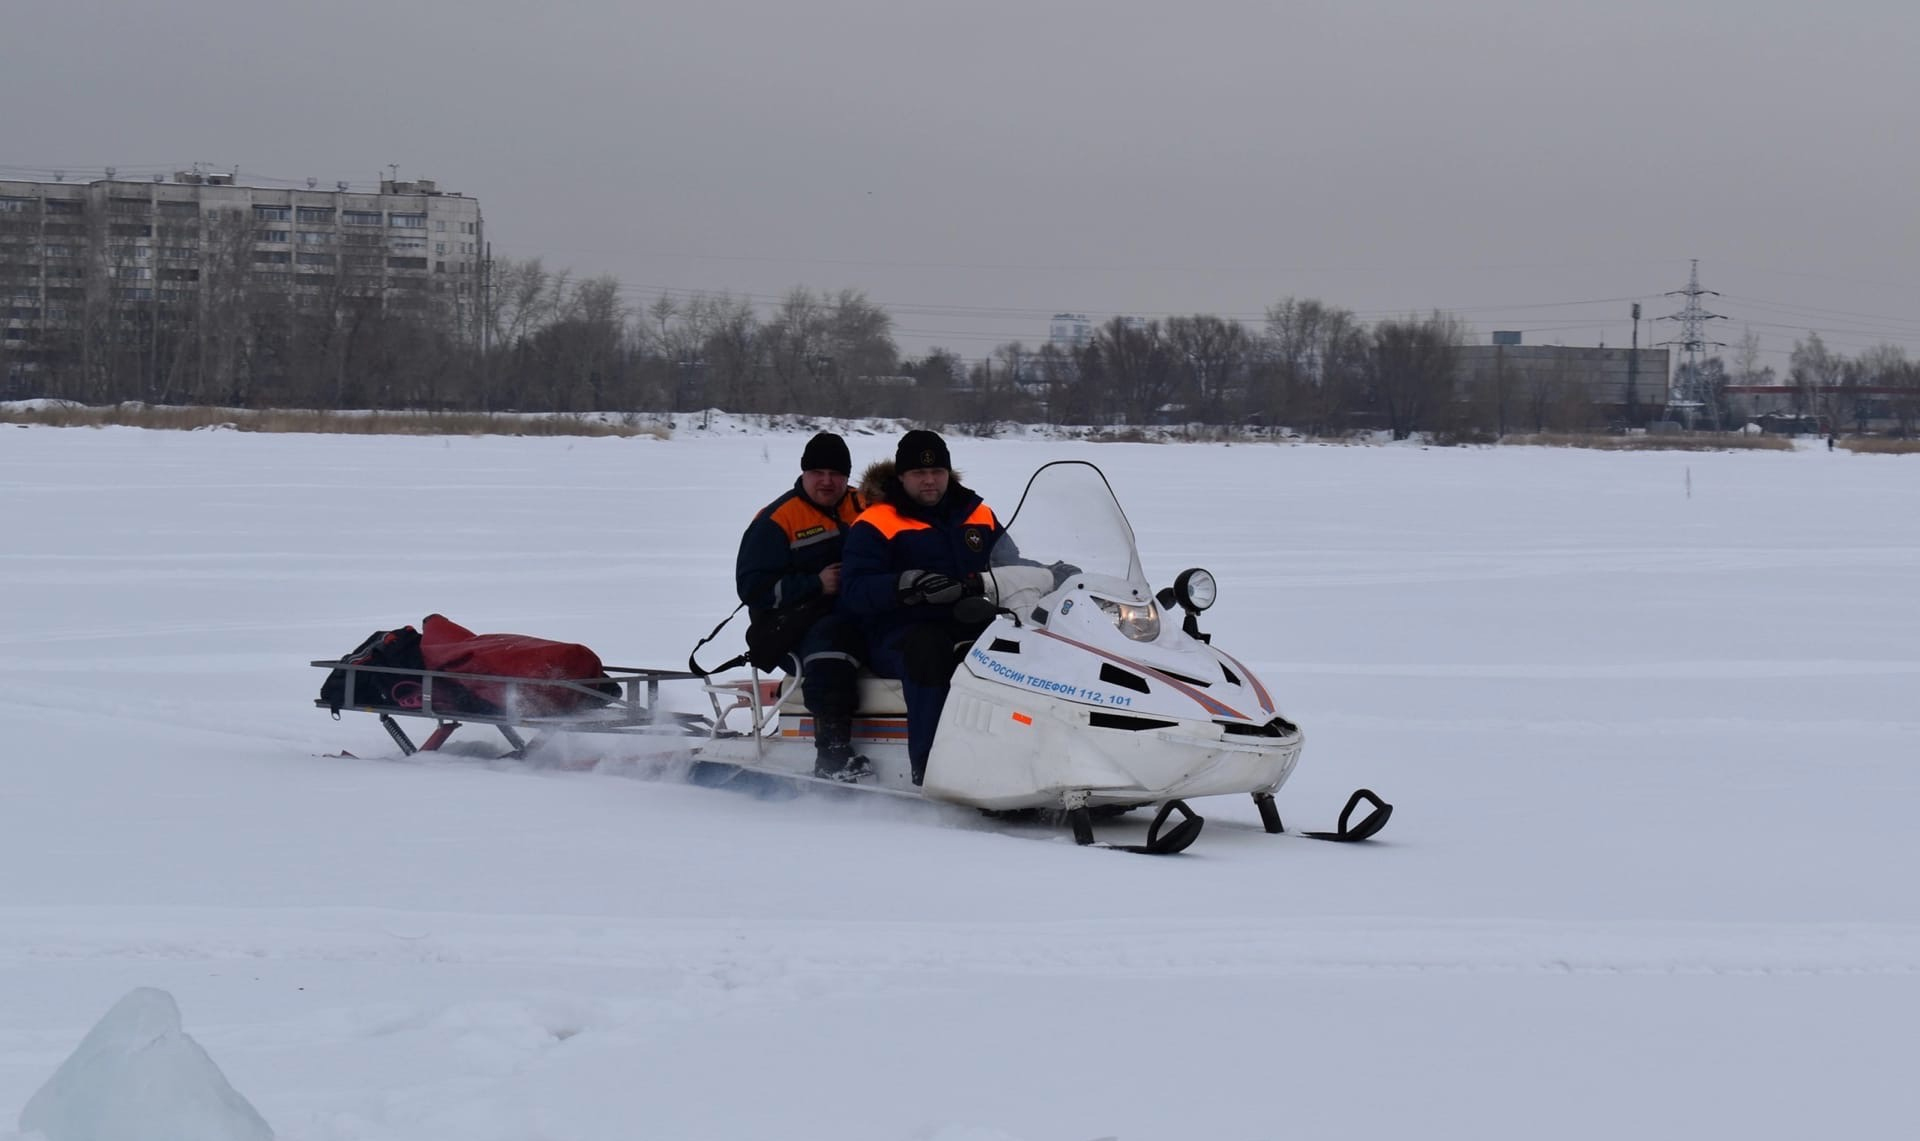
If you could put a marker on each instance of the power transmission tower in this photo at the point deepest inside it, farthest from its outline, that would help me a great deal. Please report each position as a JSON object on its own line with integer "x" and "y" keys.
{"x": 1688, "y": 389}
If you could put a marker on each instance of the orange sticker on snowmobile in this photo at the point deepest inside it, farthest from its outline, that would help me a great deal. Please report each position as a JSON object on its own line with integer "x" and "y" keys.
{"x": 1023, "y": 719}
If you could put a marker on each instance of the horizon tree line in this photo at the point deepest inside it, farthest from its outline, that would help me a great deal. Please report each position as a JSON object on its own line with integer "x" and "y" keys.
{"x": 546, "y": 340}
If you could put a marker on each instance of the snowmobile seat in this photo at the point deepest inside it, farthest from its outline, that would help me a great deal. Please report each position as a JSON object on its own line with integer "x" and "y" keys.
{"x": 879, "y": 697}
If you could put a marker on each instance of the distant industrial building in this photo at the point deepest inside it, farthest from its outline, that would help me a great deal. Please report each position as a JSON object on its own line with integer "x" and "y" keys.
{"x": 1531, "y": 385}
{"x": 1847, "y": 407}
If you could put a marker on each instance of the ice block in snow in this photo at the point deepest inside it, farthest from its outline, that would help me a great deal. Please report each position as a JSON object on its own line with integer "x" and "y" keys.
{"x": 137, "y": 1076}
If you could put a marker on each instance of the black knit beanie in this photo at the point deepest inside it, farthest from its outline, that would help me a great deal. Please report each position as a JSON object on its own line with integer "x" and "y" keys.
{"x": 921, "y": 449}
{"x": 827, "y": 452}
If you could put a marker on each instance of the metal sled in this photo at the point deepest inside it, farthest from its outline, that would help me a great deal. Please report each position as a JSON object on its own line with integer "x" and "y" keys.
{"x": 636, "y": 709}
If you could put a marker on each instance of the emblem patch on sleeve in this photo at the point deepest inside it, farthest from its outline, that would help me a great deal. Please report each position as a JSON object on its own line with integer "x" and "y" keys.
{"x": 974, "y": 538}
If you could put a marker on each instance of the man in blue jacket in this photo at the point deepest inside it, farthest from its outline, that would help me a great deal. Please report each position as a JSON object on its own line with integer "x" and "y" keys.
{"x": 920, "y": 548}
{"x": 788, "y": 573}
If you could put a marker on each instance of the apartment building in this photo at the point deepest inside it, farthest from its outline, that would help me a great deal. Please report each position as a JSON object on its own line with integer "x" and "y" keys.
{"x": 164, "y": 250}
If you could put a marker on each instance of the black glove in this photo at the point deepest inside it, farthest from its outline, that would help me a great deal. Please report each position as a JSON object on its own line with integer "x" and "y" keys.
{"x": 1062, "y": 571}
{"x": 917, "y": 586}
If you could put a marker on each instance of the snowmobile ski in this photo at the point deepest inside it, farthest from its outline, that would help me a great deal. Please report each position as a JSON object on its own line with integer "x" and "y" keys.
{"x": 1368, "y": 826}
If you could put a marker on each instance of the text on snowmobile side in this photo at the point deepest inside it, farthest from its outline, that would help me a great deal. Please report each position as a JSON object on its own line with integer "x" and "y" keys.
{"x": 1015, "y": 677}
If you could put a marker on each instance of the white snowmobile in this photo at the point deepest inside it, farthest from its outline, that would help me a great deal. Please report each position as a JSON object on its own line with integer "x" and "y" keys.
{"x": 1083, "y": 695}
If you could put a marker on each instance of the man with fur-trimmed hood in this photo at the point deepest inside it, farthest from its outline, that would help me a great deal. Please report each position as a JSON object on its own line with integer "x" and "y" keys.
{"x": 920, "y": 548}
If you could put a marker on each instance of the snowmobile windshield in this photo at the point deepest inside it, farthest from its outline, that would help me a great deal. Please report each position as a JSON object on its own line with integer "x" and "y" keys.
{"x": 1069, "y": 515}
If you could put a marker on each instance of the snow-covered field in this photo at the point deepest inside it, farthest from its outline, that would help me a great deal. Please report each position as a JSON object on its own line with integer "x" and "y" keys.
{"x": 1650, "y": 722}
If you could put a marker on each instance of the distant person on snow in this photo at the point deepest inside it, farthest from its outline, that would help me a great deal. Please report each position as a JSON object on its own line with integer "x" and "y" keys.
{"x": 789, "y": 574}
{"x": 920, "y": 548}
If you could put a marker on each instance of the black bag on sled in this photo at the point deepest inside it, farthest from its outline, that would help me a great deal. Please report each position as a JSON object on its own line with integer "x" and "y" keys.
{"x": 399, "y": 649}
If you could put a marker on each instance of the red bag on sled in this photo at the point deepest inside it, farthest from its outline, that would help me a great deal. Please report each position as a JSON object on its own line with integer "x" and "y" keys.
{"x": 447, "y": 645}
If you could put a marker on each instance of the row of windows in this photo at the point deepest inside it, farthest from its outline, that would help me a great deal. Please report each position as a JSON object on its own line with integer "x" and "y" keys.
{"x": 326, "y": 238}
{"x": 263, "y": 260}
{"x": 308, "y": 215}
{"x": 141, "y": 207}
{"x": 61, "y": 313}
{"x": 282, "y": 257}
{"x": 14, "y": 204}
{"x": 315, "y": 214}
{"x": 28, "y": 275}
{"x": 119, "y": 255}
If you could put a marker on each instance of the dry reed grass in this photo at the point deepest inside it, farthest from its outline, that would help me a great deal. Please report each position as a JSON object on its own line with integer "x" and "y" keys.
{"x": 1666, "y": 442}
{"x": 181, "y": 418}
{"x": 1880, "y": 446}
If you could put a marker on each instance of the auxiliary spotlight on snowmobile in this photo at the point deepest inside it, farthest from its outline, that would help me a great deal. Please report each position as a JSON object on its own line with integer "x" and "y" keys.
{"x": 1083, "y": 695}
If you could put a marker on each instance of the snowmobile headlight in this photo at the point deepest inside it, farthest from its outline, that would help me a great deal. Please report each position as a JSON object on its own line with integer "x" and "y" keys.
{"x": 1195, "y": 589}
{"x": 1141, "y": 623}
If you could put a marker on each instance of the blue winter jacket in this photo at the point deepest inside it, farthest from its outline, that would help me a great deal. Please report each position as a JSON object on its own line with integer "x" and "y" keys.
{"x": 953, "y": 537}
{"x": 786, "y": 547}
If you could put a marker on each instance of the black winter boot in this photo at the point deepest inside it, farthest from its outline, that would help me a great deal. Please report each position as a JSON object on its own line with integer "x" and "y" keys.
{"x": 833, "y": 756}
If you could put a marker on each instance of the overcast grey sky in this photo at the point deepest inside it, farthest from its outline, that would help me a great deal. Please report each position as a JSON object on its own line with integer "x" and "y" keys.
{"x": 976, "y": 167}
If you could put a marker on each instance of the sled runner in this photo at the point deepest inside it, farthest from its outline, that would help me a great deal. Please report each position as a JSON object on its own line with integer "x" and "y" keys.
{"x": 554, "y": 686}
{"x": 635, "y": 710}
{"x": 1088, "y": 694}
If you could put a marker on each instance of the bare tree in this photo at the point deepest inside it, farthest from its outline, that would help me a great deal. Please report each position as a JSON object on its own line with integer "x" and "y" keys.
{"x": 1214, "y": 352}
{"x": 1129, "y": 368}
{"x": 824, "y": 351}
{"x": 1905, "y": 402}
{"x": 1414, "y": 362}
{"x": 860, "y": 342}
{"x": 727, "y": 335}
{"x": 795, "y": 346}
{"x": 1313, "y": 367}
{"x": 1818, "y": 374}
{"x": 1883, "y": 367}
